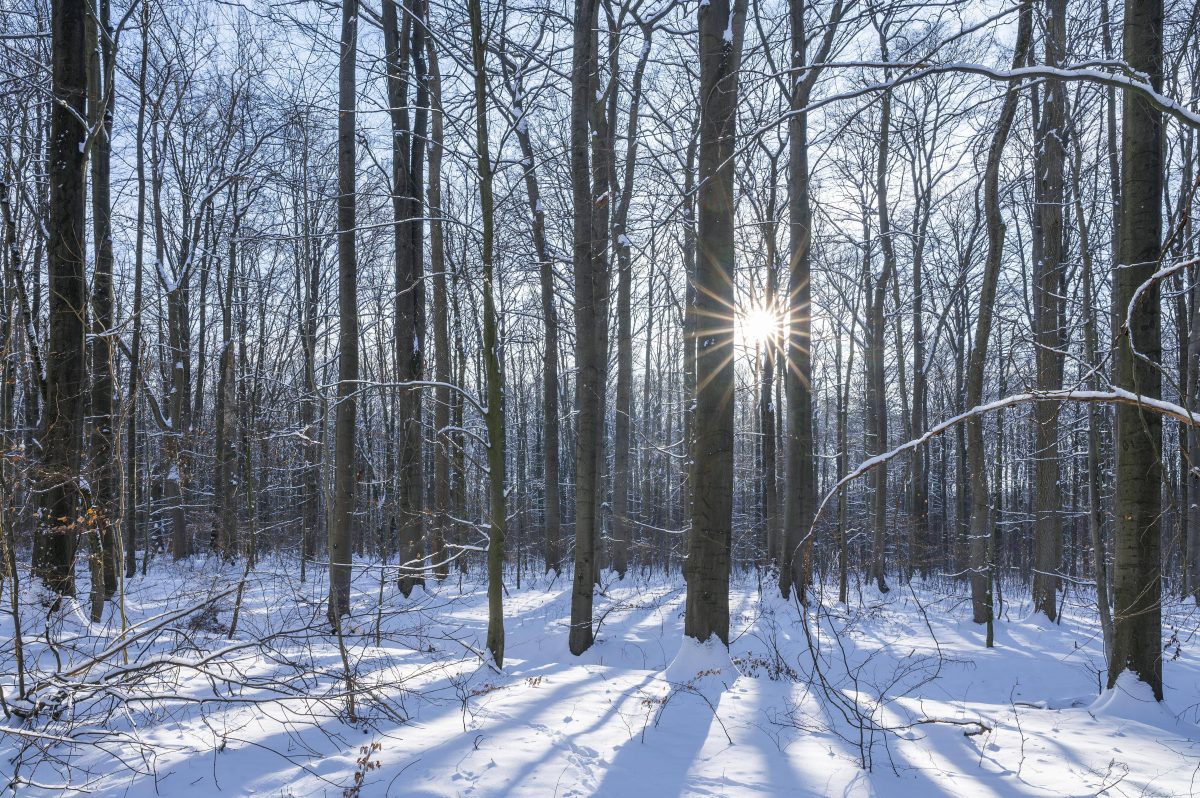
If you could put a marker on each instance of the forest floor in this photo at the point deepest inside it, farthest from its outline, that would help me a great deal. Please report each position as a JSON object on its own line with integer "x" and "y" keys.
{"x": 903, "y": 684}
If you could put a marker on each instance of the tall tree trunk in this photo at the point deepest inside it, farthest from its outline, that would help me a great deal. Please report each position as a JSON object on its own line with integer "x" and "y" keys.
{"x": 341, "y": 531}
{"x": 622, "y": 481}
{"x": 688, "y": 333}
{"x": 919, "y": 484}
{"x": 709, "y": 548}
{"x": 552, "y": 510}
{"x": 310, "y": 403}
{"x": 976, "y": 454}
{"x": 61, "y": 433}
{"x": 591, "y": 279}
{"x": 404, "y": 42}
{"x": 795, "y": 567}
{"x": 1049, "y": 338}
{"x": 1137, "y": 579}
{"x": 441, "y": 325}
{"x": 800, "y": 442}
{"x": 768, "y": 454}
{"x": 877, "y": 410}
{"x": 105, "y": 482}
{"x": 1091, "y": 348}
{"x": 224, "y": 537}
{"x": 494, "y": 417}
{"x": 603, "y": 122}
{"x": 135, "y": 342}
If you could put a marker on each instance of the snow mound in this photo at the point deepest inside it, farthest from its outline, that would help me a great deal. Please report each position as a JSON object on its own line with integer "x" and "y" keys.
{"x": 1038, "y": 620}
{"x": 1132, "y": 699}
{"x": 701, "y": 663}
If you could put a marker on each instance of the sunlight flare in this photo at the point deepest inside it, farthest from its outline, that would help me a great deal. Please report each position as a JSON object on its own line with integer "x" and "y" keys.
{"x": 758, "y": 326}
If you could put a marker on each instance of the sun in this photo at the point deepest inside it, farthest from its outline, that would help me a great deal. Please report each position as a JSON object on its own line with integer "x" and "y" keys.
{"x": 757, "y": 326}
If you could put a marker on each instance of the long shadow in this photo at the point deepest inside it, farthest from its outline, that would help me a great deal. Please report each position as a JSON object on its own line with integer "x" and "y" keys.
{"x": 660, "y": 765}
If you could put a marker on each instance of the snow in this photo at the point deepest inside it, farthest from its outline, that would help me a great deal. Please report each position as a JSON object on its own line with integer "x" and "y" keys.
{"x": 696, "y": 662}
{"x": 645, "y": 712}
{"x": 1132, "y": 699}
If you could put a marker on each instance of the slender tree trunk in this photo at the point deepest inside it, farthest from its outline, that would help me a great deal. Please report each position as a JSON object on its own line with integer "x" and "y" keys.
{"x": 494, "y": 417}
{"x": 622, "y": 480}
{"x": 843, "y": 459}
{"x": 552, "y": 510}
{"x": 224, "y": 538}
{"x": 603, "y": 121}
{"x": 441, "y": 325}
{"x": 341, "y": 531}
{"x": 768, "y": 454}
{"x": 877, "y": 410}
{"x": 105, "y": 482}
{"x": 689, "y": 327}
{"x": 135, "y": 342}
{"x": 310, "y": 404}
{"x": 976, "y": 453}
{"x": 919, "y": 485}
{"x": 1048, "y": 290}
{"x": 1091, "y": 348}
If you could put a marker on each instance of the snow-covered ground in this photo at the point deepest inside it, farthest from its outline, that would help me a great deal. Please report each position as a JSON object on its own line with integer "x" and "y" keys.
{"x": 903, "y": 685}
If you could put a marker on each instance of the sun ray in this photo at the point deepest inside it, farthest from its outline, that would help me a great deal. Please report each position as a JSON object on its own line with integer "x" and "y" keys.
{"x": 758, "y": 327}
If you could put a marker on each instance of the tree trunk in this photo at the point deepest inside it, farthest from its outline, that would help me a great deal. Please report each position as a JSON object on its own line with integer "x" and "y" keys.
{"x": 1137, "y": 502}
{"x": 105, "y": 482}
{"x": 709, "y": 548}
{"x": 624, "y": 397}
{"x": 976, "y": 454}
{"x": 404, "y": 43}
{"x": 768, "y": 454}
{"x": 310, "y": 403}
{"x": 552, "y": 509}
{"x": 135, "y": 343}
{"x": 1049, "y": 280}
{"x": 224, "y": 537}
{"x": 341, "y": 537}
{"x": 494, "y": 417}
{"x": 1095, "y": 511}
{"x": 795, "y": 568}
{"x": 61, "y": 433}
{"x": 877, "y": 410}
{"x": 441, "y": 325}
{"x": 591, "y": 279}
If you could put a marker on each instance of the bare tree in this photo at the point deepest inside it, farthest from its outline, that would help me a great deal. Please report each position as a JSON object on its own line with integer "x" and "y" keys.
{"x": 341, "y": 536}
{"x": 980, "y": 534}
{"x": 1049, "y": 288}
{"x": 722, "y": 26}
{"x": 61, "y": 433}
{"x": 1137, "y": 502}
{"x": 591, "y": 318}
